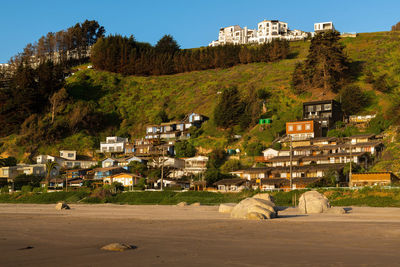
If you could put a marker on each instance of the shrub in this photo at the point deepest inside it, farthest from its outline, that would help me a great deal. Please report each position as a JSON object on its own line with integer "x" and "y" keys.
{"x": 4, "y": 189}
{"x": 26, "y": 189}
{"x": 254, "y": 149}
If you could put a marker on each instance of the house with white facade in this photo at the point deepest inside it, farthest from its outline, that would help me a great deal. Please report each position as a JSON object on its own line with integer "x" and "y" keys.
{"x": 113, "y": 144}
{"x": 323, "y": 26}
{"x": 267, "y": 30}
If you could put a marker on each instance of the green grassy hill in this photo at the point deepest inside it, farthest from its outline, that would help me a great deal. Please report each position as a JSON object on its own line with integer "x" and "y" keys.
{"x": 137, "y": 100}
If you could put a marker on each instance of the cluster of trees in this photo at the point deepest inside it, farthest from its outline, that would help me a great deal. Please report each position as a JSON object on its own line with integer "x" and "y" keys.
{"x": 126, "y": 55}
{"x": 65, "y": 47}
{"x": 232, "y": 110}
{"x": 326, "y": 66}
{"x": 396, "y": 27}
{"x": 35, "y": 88}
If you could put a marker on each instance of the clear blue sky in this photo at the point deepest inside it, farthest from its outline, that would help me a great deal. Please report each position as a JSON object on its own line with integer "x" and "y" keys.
{"x": 192, "y": 23}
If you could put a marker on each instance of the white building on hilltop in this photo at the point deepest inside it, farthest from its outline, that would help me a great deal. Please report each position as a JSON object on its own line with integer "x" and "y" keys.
{"x": 323, "y": 26}
{"x": 266, "y": 31}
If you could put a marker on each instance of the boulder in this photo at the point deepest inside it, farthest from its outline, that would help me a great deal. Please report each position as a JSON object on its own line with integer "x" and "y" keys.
{"x": 196, "y": 204}
{"x": 182, "y": 204}
{"x": 226, "y": 207}
{"x": 117, "y": 247}
{"x": 313, "y": 202}
{"x": 62, "y": 206}
{"x": 264, "y": 196}
{"x": 255, "y": 209}
{"x": 336, "y": 210}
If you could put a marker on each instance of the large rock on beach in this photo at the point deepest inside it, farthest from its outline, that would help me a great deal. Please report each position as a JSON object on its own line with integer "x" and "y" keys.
{"x": 313, "y": 202}
{"x": 255, "y": 209}
{"x": 226, "y": 207}
{"x": 182, "y": 204}
{"x": 62, "y": 206}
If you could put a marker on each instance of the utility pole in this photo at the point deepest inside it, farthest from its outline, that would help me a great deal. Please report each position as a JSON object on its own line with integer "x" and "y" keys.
{"x": 162, "y": 170}
{"x": 351, "y": 161}
{"x": 290, "y": 164}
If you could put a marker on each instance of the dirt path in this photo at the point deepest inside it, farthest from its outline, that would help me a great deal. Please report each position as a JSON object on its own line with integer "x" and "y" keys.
{"x": 195, "y": 236}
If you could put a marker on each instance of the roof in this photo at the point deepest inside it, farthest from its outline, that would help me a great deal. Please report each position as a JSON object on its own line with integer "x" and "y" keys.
{"x": 236, "y": 181}
{"x": 107, "y": 169}
{"x": 128, "y": 174}
{"x": 319, "y": 102}
{"x": 286, "y": 182}
{"x": 284, "y": 158}
{"x": 361, "y": 136}
{"x": 256, "y": 170}
{"x": 334, "y": 155}
{"x": 334, "y": 166}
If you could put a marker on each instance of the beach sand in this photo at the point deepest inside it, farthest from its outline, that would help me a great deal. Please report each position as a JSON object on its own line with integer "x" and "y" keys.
{"x": 39, "y": 235}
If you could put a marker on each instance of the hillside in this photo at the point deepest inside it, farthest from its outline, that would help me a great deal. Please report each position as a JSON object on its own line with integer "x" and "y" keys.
{"x": 132, "y": 102}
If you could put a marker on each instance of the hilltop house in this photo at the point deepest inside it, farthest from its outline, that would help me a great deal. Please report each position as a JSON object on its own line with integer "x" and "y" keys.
{"x": 267, "y": 30}
{"x": 100, "y": 173}
{"x": 121, "y": 162}
{"x": 323, "y": 26}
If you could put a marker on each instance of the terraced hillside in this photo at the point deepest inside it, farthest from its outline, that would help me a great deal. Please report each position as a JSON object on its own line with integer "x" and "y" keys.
{"x": 134, "y": 101}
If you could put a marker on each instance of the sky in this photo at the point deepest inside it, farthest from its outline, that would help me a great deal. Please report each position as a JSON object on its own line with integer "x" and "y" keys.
{"x": 192, "y": 23}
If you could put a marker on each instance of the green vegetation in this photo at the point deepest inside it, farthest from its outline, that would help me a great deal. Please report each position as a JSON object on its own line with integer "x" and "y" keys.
{"x": 368, "y": 196}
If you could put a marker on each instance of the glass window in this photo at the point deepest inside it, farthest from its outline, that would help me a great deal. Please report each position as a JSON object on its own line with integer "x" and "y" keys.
{"x": 318, "y": 107}
{"x": 308, "y": 126}
{"x": 290, "y": 128}
{"x": 327, "y": 107}
{"x": 70, "y": 155}
{"x": 299, "y": 127}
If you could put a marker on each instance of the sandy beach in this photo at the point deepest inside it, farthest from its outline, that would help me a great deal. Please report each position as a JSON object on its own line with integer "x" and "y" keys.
{"x": 39, "y": 235}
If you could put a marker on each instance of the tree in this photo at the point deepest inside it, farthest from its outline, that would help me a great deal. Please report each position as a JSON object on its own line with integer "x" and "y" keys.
{"x": 167, "y": 45}
{"x": 137, "y": 167}
{"x": 50, "y": 166}
{"x": 254, "y": 149}
{"x": 231, "y": 165}
{"x": 229, "y": 108}
{"x": 326, "y": 66}
{"x": 184, "y": 149}
{"x": 57, "y": 100}
{"x": 353, "y": 99}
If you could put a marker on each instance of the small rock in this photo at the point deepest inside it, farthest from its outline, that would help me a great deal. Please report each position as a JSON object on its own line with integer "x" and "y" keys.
{"x": 196, "y": 204}
{"x": 226, "y": 207}
{"x": 182, "y": 204}
{"x": 117, "y": 247}
{"x": 336, "y": 210}
{"x": 62, "y": 206}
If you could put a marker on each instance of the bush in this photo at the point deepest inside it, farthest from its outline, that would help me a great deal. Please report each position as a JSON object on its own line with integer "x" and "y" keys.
{"x": 231, "y": 165}
{"x": 26, "y": 189}
{"x": 4, "y": 189}
{"x": 254, "y": 149}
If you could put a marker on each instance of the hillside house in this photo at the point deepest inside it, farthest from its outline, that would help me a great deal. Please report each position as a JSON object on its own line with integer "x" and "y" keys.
{"x": 326, "y": 112}
{"x": 195, "y": 165}
{"x": 113, "y": 144}
{"x": 76, "y": 173}
{"x": 303, "y": 130}
{"x": 232, "y": 185}
{"x": 267, "y": 154}
{"x": 68, "y": 154}
{"x": 172, "y": 183}
{"x": 100, "y": 173}
{"x": 126, "y": 179}
{"x": 10, "y": 172}
{"x": 373, "y": 178}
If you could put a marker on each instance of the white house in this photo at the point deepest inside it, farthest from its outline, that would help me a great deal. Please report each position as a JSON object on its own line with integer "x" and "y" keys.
{"x": 113, "y": 144}
{"x": 323, "y": 26}
{"x": 195, "y": 165}
{"x": 68, "y": 154}
{"x": 270, "y": 153}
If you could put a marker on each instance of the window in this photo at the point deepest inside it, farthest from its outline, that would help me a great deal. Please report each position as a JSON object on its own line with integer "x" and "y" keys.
{"x": 70, "y": 155}
{"x": 308, "y": 126}
{"x": 310, "y": 108}
{"x": 327, "y": 107}
{"x": 299, "y": 127}
{"x": 5, "y": 172}
{"x": 318, "y": 107}
{"x": 290, "y": 128}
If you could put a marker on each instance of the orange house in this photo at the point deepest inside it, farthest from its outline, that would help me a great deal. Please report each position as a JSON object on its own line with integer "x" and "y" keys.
{"x": 303, "y": 130}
